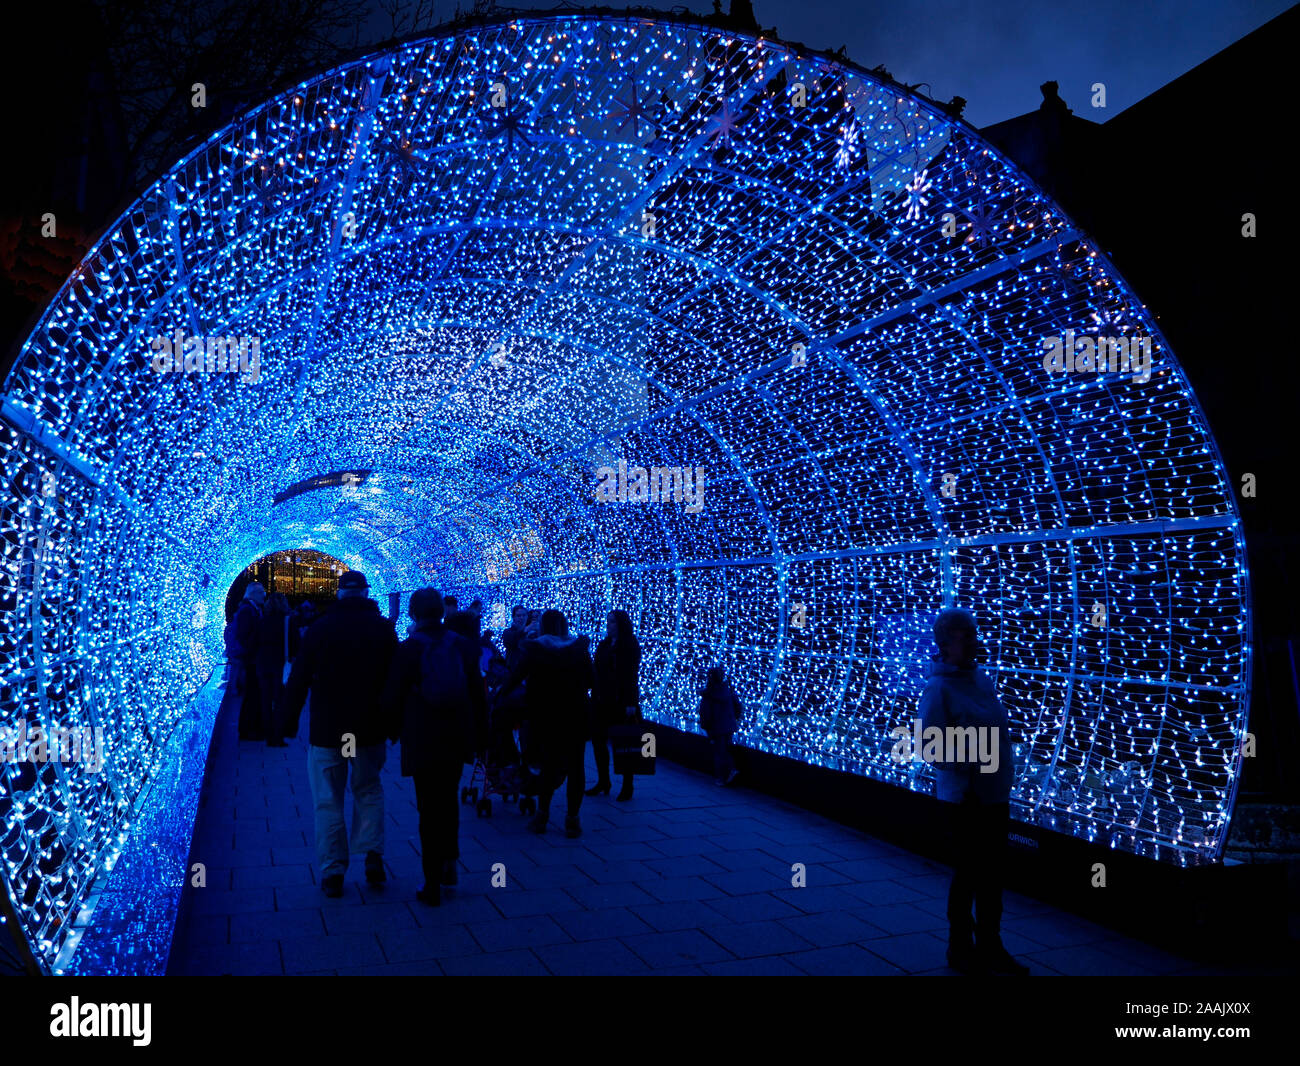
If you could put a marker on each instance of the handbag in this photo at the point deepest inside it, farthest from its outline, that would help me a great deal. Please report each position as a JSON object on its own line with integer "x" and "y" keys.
{"x": 628, "y": 741}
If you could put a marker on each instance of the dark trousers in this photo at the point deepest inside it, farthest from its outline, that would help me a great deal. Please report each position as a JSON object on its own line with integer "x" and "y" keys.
{"x": 979, "y": 841}
{"x": 250, "y": 700}
{"x": 438, "y": 802}
{"x": 723, "y": 763}
{"x": 600, "y": 748}
{"x": 566, "y": 760}
{"x": 270, "y": 686}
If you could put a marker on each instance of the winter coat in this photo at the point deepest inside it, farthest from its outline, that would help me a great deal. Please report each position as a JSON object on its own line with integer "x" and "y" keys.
{"x": 958, "y": 698}
{"x": 344, "y": 661}
{"x": 616, "y": 675}
{"x": 432, "y": 738}
{"x": 511, "y": 638}
{"x": 720, "y": 710}
{"x": 247, "y": 623}
{"x": 558, "y": 675}
{"x": 270, "y": 641}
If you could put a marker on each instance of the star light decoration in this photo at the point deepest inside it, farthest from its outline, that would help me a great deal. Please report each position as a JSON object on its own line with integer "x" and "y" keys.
{"x": 824, "y": 483}
{"x": 916, "y": 190}
{"x": 632, "y": 110}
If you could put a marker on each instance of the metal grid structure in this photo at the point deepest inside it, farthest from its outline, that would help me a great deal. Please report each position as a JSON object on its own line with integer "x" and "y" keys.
{"x": 491, "y": 266}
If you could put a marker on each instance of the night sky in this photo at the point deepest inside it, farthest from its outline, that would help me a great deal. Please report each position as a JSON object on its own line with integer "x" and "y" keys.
{"x": 996, "y": 53}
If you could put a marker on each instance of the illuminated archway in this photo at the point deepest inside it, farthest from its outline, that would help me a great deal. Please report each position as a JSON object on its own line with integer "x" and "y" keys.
{"x": 469, "y": 273}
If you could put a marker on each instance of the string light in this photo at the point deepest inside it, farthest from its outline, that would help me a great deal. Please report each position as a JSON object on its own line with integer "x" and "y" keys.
{"x": 669, "y": 248}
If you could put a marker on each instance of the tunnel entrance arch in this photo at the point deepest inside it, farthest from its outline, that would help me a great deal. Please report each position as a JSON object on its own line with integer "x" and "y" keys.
{"x": 662, "y": 247}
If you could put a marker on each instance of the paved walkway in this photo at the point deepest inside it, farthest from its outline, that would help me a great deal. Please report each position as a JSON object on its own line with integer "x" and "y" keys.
{"x": 688, "y": 878}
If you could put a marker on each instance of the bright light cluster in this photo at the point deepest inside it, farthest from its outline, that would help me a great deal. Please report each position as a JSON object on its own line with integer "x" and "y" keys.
{"x": 485, "y": 266}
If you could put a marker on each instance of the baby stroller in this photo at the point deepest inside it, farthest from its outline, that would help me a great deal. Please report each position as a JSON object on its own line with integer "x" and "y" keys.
{"x": 499, "y": 770}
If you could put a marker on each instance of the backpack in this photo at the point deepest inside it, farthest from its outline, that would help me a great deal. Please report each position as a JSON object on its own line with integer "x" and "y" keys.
{"x": 443, "y": 682}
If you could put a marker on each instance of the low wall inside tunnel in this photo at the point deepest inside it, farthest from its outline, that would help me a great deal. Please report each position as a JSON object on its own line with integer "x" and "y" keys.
{"x": 480, "y": 269}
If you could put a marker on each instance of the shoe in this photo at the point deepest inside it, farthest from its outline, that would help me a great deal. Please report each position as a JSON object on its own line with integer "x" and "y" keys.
{"x": 600, "y": 788}
{"x": 375, "y": 873}
{"x": 333, "y": 885}
{"x": 998, "y": 960}
{"x": 450, "y": 875}
{"x": 276, "y": 742}
{"x": 430, "y": 896}
{"x": 963, "y": 959}
{"x": 731, "y": 777}
{"x": 625, "y": 793}
{"x": 572, "y": 827}
{"x": 537, "y": 824}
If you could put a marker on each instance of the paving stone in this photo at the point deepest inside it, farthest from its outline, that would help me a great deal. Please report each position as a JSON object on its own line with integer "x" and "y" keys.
{"x": 239, "y": 960}
{"x": 275, "y": 925}
{"x": 847, "y": 961}
{"x": 901, "y": 918}
{"x": 381, "y": 918}
{"x": 330, "y": 952}
{"x": 684, "y": 914}
{"x": 749, "y": 939}
{"x": 505, "y": 934}
{"x": 495, "y": 964}
{"x": 273, "y": 876}
{"x": 600, "y": 897}
{"x": 829, "y": 929}
{"x": 814, "y": 899}
{"x": 676, "y": 948}
{"x": 761, "y": 966}
{"x": 883, "y": 892}
{"x": 598, "y": 958}
{"x": 912, "y": 952}
{"x": 561, "y": 875}
{"x": 413, "y": 945}
{"x": 602, "y": 925}
{"x": 424, "y": 968}
{"x": 517, "y": 903}
{"x": 219, "y": 901}
{"x": 755, "y": 907}
{"x": 670, "y": 889}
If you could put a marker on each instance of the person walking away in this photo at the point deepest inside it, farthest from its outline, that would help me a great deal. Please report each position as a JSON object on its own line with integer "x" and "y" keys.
{"x": 616, "y": 696}
{"x": 438, "y": 712}
{"x": 556, "y": 670}
{"x": 243, "y": 632}
{"x": 272, "y": 650}
{"x": 720, "y": 716}
{"x": 514, "y": 633}
{"x": 343, "y": 664}
{"x": 959, "y": 694}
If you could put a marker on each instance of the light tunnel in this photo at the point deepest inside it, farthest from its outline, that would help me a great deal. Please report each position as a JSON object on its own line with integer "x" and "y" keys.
{"x": 617, "y": 312}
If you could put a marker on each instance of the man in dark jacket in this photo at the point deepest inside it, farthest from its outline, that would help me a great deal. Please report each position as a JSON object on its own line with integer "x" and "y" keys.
{"x": 436, "y": 704}
{"x": 242, "y": 650}
{"x": 557, "y": 669}
{"x": 344, "y": 663}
